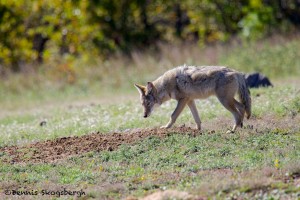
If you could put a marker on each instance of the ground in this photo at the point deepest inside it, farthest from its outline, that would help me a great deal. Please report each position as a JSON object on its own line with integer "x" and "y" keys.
{"x": 233, "y": 179}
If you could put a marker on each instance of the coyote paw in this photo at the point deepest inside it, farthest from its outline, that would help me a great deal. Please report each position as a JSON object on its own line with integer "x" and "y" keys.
{"x": 165, "y": 127}
{"x": 229, "y": 131}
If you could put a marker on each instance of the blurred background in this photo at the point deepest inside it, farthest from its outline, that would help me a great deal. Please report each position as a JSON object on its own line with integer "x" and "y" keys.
{"x": 57, "y": 43}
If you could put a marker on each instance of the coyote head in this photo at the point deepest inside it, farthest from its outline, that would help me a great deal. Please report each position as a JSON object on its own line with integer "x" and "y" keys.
{"x": 148, "y": 95}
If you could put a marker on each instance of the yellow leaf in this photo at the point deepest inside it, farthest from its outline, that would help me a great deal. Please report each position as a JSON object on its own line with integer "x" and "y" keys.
{"x": 255, "y": 3}
{"x": 276, "y": 163}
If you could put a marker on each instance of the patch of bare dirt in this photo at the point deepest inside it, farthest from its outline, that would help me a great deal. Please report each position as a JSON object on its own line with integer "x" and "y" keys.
{"x": 61, "y": 148}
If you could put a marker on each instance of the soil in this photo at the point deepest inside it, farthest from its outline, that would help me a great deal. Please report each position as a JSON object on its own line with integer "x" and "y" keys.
{"x": 61, "y": 148}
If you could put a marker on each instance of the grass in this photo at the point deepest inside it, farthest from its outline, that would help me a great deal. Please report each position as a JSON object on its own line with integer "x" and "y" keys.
{"x": 260, "y": 161}
{"x": 79, "y": 118}
{"x": 276, "y": 57}
{"x": 238, "y": 162}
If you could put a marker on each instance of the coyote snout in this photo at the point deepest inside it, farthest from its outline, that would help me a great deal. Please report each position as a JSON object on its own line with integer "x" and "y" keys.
{"x": 186, "y": 83}
{"x": 148, "y": 97}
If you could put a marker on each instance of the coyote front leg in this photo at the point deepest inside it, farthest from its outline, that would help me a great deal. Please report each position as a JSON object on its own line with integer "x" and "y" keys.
{"x": 180, "y": 106}
{"x": 195, "y": 114}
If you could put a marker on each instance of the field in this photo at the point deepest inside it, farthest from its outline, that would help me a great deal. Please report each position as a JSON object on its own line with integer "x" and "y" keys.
{"x": 90, "y": 136}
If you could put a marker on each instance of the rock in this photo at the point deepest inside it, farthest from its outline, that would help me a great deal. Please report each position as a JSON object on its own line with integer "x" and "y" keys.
{"x": 169, "y": 194}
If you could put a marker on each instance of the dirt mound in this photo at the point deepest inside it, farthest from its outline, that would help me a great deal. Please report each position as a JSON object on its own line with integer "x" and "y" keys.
{"x": 61, "y": 148}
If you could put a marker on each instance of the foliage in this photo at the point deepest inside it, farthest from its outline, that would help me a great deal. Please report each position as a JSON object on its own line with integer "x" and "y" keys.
{"x": 38, "y": 30}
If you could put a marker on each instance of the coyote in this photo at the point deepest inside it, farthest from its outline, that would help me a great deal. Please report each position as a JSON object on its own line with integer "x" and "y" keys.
{"x": 187, "y": 83}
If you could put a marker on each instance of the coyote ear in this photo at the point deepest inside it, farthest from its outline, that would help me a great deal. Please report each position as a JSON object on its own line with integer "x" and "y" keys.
{"x": 141, "y": 89}
{"x": 151, "y": 88}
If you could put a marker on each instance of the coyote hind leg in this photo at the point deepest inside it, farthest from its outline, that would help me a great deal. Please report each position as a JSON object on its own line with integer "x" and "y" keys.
{"x": 241, "y": 109}
{"x": 230, "y": 104}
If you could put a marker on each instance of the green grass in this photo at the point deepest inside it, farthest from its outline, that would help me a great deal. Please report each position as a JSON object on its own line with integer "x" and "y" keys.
{"x": 178, "y": 161}
{"x": 252, "y": 163}
{"x": 79, "y": 118}
{"x": 270, "y": 58}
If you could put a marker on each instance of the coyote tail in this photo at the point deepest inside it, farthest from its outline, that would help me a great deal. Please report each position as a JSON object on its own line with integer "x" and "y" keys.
{"x": 244, "y": 95}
